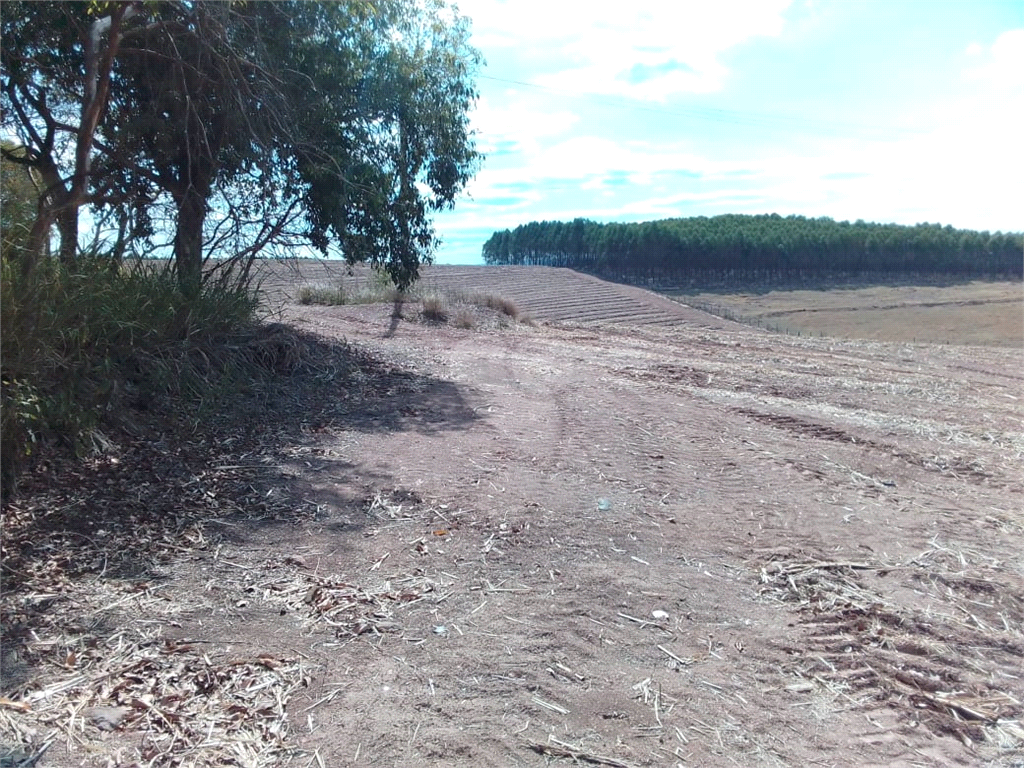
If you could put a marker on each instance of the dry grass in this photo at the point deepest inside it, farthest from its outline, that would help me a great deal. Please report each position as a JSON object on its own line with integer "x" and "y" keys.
{"x": 462, "y": 308}
{"x": 100, "y": 676}
{"x": 91, "y": 677}
{"x": 480, "y": 299}
{"x": 434, "y": 310}
{"x": 336, "y": 295}
{"x": 310, "y": 294}
{"x": 503, "y": 305}
{"x": 983, "y": 313}
{"x": 435, "y": 306}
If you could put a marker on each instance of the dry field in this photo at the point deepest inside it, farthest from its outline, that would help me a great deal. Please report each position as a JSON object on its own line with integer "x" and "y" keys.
{"x": 987, "y": 313}
{"x": 628, "y": 534}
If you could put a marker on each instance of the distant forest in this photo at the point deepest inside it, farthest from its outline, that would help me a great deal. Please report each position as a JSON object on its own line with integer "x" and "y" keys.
{"x": 757, "y": 248}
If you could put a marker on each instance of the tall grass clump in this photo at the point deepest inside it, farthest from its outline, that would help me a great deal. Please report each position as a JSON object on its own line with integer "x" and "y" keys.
{"x": 434, "y": 310}
{"x": 372, "y": 293}
{"x": 82, "y": 341}
{"x": 310, "y": 294}
{"x": 501, "y": 304}
{"x": 487, "y": 300}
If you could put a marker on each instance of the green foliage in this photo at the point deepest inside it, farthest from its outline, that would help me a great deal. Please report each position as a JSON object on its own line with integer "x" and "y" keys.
{"x": 756, "y": 247}
{"x": 343, "y": 125}
{"x": 384, "y": 125}
{"x": 18, "y": 200}
{"x": 83, "y": 340}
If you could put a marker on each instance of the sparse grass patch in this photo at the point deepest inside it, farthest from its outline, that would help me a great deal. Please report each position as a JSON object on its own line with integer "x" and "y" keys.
{"x": 438, "y": 305}
{"x": 503, "y": 305}
{"x": 374, "y": 293}
{"x": 485, "y": 300}
{"x": 434, "y": 309}
{"x": 320, "y": 295}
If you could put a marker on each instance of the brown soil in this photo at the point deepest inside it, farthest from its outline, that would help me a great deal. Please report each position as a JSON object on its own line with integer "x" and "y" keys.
{"x": 682, "y": 542}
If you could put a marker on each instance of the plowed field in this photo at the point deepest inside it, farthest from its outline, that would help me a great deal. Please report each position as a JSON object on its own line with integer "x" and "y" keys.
{"x": 542, "y": 293}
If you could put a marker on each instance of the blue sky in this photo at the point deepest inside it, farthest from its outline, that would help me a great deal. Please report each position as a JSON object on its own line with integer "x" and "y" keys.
{"x": 899, "y": 111}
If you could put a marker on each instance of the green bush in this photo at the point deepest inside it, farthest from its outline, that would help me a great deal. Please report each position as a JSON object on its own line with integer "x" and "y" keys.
{"x": 19, "y": 199}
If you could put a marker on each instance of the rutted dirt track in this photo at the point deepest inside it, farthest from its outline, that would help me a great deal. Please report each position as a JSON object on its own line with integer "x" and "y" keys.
{"x": 675, "y": 542}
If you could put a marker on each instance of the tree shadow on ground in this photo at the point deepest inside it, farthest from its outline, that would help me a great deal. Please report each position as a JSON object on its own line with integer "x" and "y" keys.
{"x": 181, "y": 475}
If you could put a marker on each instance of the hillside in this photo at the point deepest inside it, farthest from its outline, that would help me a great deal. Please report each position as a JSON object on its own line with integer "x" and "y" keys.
{"x": 959, "y": 313}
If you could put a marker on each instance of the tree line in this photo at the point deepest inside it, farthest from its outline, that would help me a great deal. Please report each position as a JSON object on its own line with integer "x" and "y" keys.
{"x": 762, "y": 247}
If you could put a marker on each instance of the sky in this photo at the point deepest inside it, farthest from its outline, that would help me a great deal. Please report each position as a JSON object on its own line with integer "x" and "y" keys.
{"x": 901, "y": 111}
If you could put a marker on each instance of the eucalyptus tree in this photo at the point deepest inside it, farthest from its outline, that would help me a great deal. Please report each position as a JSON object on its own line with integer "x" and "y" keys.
{"x": 341, "y": 125}
{"x": 746, "y": 247}
{"x": 55, "y": 80}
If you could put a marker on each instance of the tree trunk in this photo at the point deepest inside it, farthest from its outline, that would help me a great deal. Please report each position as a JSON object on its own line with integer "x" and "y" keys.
{"x": 54, "y": 193}
{"x": 188, "y": 241}
{"x": 66, "y": 219}
{"x": 38, "y": 243}
{"x": 67, "y": 226}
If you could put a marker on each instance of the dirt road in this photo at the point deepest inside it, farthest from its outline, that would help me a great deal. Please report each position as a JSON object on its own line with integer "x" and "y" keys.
{"x": 659, "y": 545}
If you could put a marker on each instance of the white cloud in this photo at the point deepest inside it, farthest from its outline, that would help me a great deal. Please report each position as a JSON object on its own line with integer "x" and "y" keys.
{"x": 644, "y": 49}
{"x": 961, "y": 174}
{"x": 515, "y": 125}
{"x": 1003, "y": 63}
{"x": 555, "y": 158}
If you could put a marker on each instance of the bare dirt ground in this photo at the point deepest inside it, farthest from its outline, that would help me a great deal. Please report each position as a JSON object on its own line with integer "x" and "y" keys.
{"x": 682, "y": 542}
